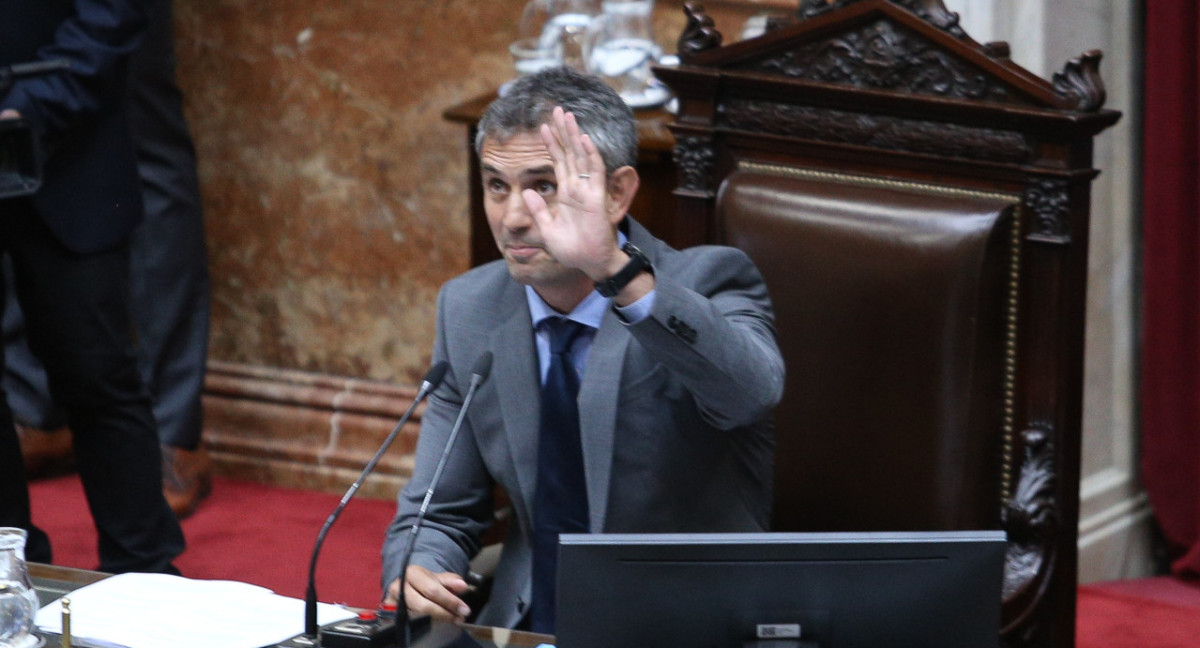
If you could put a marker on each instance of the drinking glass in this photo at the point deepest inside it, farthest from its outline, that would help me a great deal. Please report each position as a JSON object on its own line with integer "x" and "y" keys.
{"x": 18, "y": 599}
{"x": 560, "y": 27}
{"x": 529, "y": 56}
{"x": 621, "y": 48}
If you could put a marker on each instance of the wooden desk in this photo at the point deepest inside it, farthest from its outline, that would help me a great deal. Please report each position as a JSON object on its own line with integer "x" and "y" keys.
{"x": 51, "y": 582}
{"x": 443, "y": 635}
{"x": 653, "y": 206}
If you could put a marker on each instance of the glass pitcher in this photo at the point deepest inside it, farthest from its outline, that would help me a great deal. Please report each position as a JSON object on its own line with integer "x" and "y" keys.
{"x": 18, "y": 599}
{"x": 621, "y": 48}
{"x": 557, "y": 29}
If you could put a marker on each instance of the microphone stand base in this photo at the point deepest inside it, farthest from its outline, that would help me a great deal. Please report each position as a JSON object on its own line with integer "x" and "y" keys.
{"x": 353, "y": 633}
{"x": 417, "y": 628}
{"x": 299, "y": 641}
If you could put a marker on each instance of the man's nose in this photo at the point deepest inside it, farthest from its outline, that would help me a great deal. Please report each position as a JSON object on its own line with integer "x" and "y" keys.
{"x": 516, "y": 214}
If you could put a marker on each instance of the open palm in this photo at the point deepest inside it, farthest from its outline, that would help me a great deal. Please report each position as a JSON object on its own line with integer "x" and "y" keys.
{"x": 577, "y": 230}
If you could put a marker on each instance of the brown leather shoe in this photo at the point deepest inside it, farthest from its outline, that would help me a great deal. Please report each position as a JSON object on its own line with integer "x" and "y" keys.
{"x": 187, "y": 478}
{"x": 46, "y": 452}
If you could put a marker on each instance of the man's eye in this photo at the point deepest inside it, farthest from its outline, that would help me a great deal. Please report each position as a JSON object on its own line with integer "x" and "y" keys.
{"x": 495, "y": 186}
{"x": 545, "y": 188}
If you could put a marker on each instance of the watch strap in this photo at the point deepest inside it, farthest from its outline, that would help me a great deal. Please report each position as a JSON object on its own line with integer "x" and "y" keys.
{"x": 638, "y": 262}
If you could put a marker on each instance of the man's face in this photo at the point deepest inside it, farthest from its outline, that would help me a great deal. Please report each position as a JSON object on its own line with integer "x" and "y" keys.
{"x": 509, "y": 167}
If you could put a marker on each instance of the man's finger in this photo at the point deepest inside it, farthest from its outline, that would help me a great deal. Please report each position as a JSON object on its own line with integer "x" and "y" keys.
{"x": 537, "y": 208}
{"x": 453, "y": 582}
{"x": 552, "y": 138}
{"x": 436, "y": 589}
{"x": 392, "y": 596}
{"x": 576, "y": 141}
{"x": 567, "y": 130}
{"x": 595, "y": 163}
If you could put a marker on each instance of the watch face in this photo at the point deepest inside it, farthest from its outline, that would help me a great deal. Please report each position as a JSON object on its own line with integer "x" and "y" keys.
{"x": 636, "y": 256}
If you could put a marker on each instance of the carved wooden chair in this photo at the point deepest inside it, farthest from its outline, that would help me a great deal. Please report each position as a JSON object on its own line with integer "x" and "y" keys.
{"x": 918, "y": 204}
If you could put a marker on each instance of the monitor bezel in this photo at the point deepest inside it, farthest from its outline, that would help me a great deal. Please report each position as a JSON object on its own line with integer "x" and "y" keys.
{"x": 970, "y": 563}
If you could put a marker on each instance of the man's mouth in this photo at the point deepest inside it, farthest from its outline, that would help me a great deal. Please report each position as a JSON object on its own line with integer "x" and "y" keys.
{"x": 522, "y": 251}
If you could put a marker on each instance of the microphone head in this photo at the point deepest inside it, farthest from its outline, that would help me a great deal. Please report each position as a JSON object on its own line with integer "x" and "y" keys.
{"x": 434, "y": 376}
{"x": 483, "y": 366}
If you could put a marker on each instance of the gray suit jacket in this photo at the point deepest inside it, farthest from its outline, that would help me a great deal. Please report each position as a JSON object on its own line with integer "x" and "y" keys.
{"x": 674, "y": 416}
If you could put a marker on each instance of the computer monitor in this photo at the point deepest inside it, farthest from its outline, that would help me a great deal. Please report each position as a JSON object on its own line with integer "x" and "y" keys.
{"x": 780, "y": 590}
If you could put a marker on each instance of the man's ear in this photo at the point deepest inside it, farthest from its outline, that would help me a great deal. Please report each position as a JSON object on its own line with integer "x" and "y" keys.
{"x": 622, "y": 186}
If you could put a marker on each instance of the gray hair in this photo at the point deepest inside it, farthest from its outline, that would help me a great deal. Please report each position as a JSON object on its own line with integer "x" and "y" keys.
{"x": 600, "y": 112}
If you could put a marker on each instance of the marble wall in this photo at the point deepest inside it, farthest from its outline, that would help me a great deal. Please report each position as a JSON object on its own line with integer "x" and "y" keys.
{"x": 336, "y": 205}
{"x": 335, "y": 192}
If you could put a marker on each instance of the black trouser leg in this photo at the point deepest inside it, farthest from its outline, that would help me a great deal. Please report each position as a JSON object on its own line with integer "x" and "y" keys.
{"x": 77, "y": 312}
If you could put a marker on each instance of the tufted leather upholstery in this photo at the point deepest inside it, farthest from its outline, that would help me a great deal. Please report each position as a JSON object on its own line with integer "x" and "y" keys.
{"x": 891, "y": 315}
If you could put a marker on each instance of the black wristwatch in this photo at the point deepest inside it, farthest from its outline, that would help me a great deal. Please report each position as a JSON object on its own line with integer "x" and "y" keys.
{"x": 638, "y": 261}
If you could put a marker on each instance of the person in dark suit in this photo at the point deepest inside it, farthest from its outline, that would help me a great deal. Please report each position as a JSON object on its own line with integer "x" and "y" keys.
{"x": 673, "y": 355}
{"x": 169, "y": 286}
{"x": 69, "y": 247}
{"x": 170, "y": 265}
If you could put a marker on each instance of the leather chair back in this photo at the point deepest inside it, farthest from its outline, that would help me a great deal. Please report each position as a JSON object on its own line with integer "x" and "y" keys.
{"x": 891, "y": 311}
{"x": 919, "y": 206}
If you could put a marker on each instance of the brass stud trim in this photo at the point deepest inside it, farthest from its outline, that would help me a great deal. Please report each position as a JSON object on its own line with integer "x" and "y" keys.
{"x": 1012, "y": 300}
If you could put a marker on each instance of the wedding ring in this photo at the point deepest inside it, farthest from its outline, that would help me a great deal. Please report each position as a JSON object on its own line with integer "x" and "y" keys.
{"x": 585, "y": 176}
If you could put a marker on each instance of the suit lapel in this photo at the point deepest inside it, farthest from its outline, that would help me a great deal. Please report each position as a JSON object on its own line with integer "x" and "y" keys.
{"x": 517, "y": 387}
{"x": 600, "y": 393}
{"x": 598, "y": 412}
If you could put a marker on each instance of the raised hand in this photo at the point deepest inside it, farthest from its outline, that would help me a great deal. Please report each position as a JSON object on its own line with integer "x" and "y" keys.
{"x": 579, "y": 230}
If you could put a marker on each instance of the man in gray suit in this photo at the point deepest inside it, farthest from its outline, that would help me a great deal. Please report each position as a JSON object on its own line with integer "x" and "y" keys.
{"x": 677, "y": 361}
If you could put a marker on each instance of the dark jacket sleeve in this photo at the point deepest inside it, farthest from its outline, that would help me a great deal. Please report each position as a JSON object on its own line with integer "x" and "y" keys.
{"x": 96, "y": 39}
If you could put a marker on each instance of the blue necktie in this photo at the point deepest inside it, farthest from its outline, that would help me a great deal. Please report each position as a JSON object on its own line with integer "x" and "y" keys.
{"x": 560, "y": 504}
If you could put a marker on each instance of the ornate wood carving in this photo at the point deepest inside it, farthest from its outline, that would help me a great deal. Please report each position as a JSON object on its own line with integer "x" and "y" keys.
{"x": 894, "y": 133}
{"x": 1080, "y": 82}
{"x": 883, "y": 56}
{"x": 699, "y": 34}
{"x": 932, "y": 11}
{"x": 1024, "y": 636}
{"x": 863, "y": 87}
{"x": 998, "y": 50}
{"x": 694, "y": 159}
{"x": 776, "y": 21}
{"x": 1049, "y": 201}
{"x": 1031, "y": 517}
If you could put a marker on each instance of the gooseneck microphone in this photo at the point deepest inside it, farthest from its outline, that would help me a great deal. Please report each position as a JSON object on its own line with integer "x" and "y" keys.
{"x": 432, "y": 379}
{"x": 479, "y": 373}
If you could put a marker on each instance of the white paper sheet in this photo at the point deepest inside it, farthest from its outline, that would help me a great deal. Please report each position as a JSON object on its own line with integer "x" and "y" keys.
{"x": 159, "y": 611}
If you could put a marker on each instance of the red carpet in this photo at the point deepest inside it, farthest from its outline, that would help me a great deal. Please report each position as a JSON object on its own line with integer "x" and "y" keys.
{"x": 1162, "y": 612}
{"x": 264, "y": 535}
{"x": 245, "y": 532}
